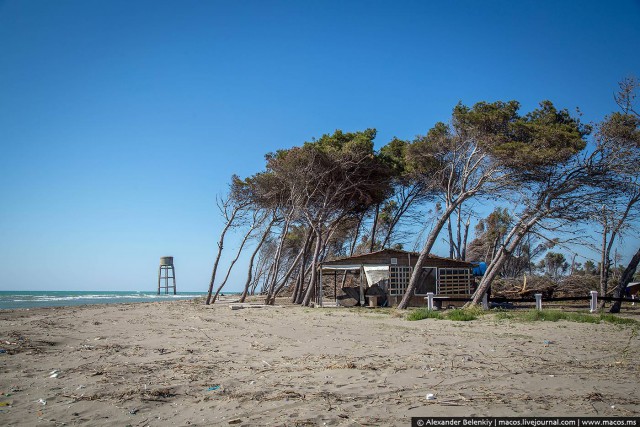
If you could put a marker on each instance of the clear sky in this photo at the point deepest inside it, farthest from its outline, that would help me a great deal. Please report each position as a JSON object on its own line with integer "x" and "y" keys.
{"x": 120, "y": 121}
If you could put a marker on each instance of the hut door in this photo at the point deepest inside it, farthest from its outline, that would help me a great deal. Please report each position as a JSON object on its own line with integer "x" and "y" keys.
{"x": 427, "y": 281}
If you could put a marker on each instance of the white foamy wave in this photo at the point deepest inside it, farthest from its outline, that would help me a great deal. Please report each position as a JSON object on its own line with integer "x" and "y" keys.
{"x": 27, "y": 299}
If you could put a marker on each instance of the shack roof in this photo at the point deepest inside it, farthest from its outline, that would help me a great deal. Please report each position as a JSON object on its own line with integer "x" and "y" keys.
{"x": 633, "y": 286}
{"x": 384, "y": 256}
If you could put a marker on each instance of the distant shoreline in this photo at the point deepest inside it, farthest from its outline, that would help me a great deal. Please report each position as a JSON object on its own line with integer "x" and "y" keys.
{"x": 11, "y": 300}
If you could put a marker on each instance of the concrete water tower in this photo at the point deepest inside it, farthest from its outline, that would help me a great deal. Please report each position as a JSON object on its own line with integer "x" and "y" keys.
{"x": 166, "y": 272}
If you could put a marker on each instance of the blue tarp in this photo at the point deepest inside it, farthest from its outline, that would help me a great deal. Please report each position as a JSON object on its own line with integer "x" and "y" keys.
{"x": 479, "y": 268}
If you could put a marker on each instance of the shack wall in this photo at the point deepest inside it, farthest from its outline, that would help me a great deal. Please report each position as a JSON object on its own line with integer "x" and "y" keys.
{"x": 409, "y": 259}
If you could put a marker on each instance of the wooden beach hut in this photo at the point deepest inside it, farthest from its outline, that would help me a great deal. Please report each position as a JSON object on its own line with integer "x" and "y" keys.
{"x": 382, "y": 277}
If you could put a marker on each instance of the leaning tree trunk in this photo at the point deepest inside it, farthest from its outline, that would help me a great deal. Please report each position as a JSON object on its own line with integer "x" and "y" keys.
{"x": 233, "y": 262}
{"x": 245, "y": 292}
{"x": 404, "y": 206}
{"x": 235, "y": 211}
{"x": 627, "y": 276}
{"x": 299, "y": 282}
{"x": 424, "y": 255}
{"x": 301, "y": 291}
{"x": 354, "y": 242}
{"x": 294, "y": 294}
{"x": 314, "y": 270}
{"x": 296, "y": 297}
{"x": 516, "y": 235}
{"x": 278, "y": 256}
{"x": 271, "y": 296}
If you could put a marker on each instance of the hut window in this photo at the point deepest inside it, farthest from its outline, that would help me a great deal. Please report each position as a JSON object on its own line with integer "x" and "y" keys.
{"x": 398, "y": 279}
{"x": 427, "y": 281}
{"x": 454, "y": 281}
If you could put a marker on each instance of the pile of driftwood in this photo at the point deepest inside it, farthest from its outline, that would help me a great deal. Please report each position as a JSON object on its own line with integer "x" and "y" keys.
{"x": 528, "y": 286}
{"x": 525, "y": 287}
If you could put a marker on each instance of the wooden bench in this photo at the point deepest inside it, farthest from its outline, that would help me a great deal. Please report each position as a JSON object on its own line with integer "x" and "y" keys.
{"x": 437, "y": 300}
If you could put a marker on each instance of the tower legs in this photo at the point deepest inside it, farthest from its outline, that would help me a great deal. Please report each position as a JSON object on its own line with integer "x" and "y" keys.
{"x": 166, "y": 279}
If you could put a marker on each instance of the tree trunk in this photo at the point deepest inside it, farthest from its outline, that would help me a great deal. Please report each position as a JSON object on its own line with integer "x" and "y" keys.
{"x": 247, "y": 284}
{"x": 354, "y": 243}
{"x": 220, "y": 247}
{"x": 613, "y": 230}
{"x": 451, "y": 243}
{"x": 314, "y": 270}
{"x": 260, "y": 270}
{"x": 301, "y": 291}
{"x": 463, "y": 254}
{"x": 516, "y": 235}
{"x": 408, "y": 198}
{"x": 278, "y": 256}
{"x": 604, "y": 259}
{"x": 296, "y": 297}
{"x": 272, "y": 297}
{"x": 627, "y": 276}
{"x": 296, "y": 289}
{"x": 372, "y": 244}
{"x": 424, "y": 255}
{"x": 270, "y": 300}
{"x": 459, "y": 234}
{"x": 244, "y": 241}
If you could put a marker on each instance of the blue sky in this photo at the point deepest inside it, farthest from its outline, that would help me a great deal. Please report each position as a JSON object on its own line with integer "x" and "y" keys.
{"x": 120, "y": 121}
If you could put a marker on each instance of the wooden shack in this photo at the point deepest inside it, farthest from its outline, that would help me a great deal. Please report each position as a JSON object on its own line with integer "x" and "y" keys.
{"x": 385, "y": 274}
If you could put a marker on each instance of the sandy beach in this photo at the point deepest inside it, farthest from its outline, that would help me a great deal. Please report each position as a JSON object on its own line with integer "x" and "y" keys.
{"x": 182, "y": 363}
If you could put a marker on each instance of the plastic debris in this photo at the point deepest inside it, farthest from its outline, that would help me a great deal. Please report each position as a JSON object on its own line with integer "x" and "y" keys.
{"x": 2, "y": 350}
{"x": 42, "y": 402}
{"x": 213, "y": 387}
{"x": 54, "y": 373}
{"x": 431, "y": 396}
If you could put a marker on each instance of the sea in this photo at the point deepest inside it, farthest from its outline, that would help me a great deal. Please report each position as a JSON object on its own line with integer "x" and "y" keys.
{"x": 33, "y": 299}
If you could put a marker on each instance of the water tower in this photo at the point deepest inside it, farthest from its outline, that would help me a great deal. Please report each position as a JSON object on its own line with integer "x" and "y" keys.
{"x": 166, "y": 272}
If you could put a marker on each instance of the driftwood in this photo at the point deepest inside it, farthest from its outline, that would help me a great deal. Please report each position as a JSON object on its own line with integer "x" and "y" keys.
{"x": 523, "y": 288}
{"x": 570, "y": 286}
{"x": 241, "y": 305}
